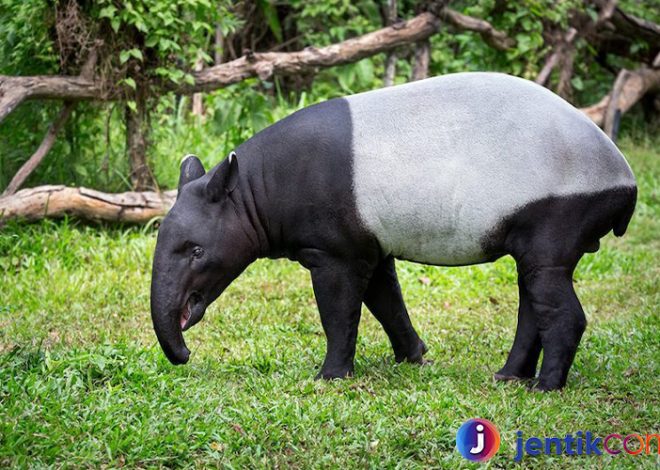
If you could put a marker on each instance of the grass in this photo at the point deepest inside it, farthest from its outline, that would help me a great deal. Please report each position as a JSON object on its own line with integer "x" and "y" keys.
{"x": 83, "y": 382}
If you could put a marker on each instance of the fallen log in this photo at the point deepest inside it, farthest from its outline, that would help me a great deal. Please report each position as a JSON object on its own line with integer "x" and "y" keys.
{"x": 56, "y": 201}
{"x": 628, "y": 89}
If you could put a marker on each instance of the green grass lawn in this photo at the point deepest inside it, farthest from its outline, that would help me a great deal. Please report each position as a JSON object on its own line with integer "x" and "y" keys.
{"x": 83, "y": 381}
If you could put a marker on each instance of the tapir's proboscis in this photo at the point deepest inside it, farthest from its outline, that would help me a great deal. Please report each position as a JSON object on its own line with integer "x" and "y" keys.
{"x": 448, "y": 171}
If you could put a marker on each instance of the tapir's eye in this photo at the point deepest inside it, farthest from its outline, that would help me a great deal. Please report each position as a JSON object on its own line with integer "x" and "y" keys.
{"x": 197, "y": 252}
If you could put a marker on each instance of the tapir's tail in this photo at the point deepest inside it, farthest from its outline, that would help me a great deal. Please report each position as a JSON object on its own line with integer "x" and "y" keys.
{"x": 622, "y": 219}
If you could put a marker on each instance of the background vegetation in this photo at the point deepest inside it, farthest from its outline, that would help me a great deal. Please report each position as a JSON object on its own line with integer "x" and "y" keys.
{"x": 151, "y": 43}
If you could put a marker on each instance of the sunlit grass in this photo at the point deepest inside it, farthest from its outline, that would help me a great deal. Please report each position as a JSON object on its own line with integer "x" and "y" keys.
{"x": 84, "y": 383}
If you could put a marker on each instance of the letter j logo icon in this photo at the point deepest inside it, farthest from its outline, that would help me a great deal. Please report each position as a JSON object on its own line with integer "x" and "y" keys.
{"x": 478, "y": 440}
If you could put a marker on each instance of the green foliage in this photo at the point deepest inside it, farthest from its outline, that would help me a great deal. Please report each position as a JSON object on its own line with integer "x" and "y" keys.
{"x": 166, "y": 38}
{"x": 154, "y": 42}
{"x": 325, "y": 22}
{"x": 83, "y": 382}
{"x": 26, "y": 44}
{"x": 270, "y": 13}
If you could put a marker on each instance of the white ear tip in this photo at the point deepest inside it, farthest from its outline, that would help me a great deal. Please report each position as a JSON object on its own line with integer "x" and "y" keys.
{"x": 232, "y": 155}
{"x": 187, "y": 157}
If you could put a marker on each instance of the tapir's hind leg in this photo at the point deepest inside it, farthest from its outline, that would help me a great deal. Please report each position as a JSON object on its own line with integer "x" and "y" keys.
{"x": 524, "y": 355}
{"x": 550, "y": 316}
{"x": 560, "y": 321}
{"x": 546, "y": 257}
{"x": 383, "y": 298}
{"x": 547, "y": 239}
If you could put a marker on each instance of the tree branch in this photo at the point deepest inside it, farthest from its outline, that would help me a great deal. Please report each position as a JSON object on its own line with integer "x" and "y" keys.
{"x": 564, "y": 51}
{"x": 265, "y": 64}
{"x": 33, "y": 162}
{"x": 635, "y": 27}
{"x": 13, "y": 90}
{"x": 493, "y": 37}
{"x": 87, "y": 72}
{"x": 553, "y": 59}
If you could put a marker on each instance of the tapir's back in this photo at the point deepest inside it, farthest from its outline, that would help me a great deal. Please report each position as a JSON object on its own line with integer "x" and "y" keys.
{"x": 437, "y": 164}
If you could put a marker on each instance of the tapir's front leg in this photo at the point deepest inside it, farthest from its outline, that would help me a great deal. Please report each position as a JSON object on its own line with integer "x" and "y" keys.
{"x": 383, "y": 297}
{"x": 339, "y": 288}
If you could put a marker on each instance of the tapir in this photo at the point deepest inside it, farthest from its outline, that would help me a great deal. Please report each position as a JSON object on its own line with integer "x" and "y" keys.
{"x": 449, "y": 171}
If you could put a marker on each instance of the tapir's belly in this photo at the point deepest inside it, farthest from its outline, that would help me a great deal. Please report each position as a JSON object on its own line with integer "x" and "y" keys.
{"x": 438, "y": 164}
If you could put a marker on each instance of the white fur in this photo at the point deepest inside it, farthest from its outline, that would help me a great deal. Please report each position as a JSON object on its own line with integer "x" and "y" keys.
{"x": 439, "y": 162}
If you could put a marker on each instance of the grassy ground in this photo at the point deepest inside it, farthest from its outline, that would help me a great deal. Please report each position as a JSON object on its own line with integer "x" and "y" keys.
{"x": 84, "y": 383}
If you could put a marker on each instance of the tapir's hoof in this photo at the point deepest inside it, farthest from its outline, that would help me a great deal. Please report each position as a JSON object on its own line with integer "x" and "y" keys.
{"x": 416, "y": 357}
{"x": 503, "y": 377}
{"x": 542, "y": 386}
{"x": 334, "y": 375}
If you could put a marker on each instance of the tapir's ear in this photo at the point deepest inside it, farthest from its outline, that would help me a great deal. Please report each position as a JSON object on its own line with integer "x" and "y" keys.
{"x": 224, "y": 178}
{"x": 191, "y": 169}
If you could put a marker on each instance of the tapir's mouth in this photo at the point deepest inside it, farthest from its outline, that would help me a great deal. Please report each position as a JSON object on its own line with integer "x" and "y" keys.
{"x": 192, "y": 312}
{"x": 185, "y": 314}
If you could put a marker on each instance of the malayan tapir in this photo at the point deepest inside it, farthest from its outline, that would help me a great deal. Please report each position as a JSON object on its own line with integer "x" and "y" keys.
{"x": 448, "y": 171}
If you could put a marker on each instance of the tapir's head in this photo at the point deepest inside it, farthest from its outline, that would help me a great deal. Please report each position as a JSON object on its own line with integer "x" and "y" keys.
{"x": 203, "y": 245}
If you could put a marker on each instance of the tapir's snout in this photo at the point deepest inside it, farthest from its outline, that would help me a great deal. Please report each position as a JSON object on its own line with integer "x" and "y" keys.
{"x": 167, "y": 316}
{"x": 170, "y": 337}
{"x": 178, "y": 356}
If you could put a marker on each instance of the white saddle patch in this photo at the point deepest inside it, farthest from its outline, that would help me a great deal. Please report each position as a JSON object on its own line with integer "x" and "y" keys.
{"x": 439, "y": 162}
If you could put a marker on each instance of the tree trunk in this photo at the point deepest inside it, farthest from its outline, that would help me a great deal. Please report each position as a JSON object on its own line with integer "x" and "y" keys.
{"x": 390, "y": 69}
{"x": 137, "y": 129}
{"x": 564, "y": 86}
{"x": 197, "y": 98}
{"x": 390, "y": 61}
{"x": 218, "y": 47}
{"x": 422, "y": 59}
